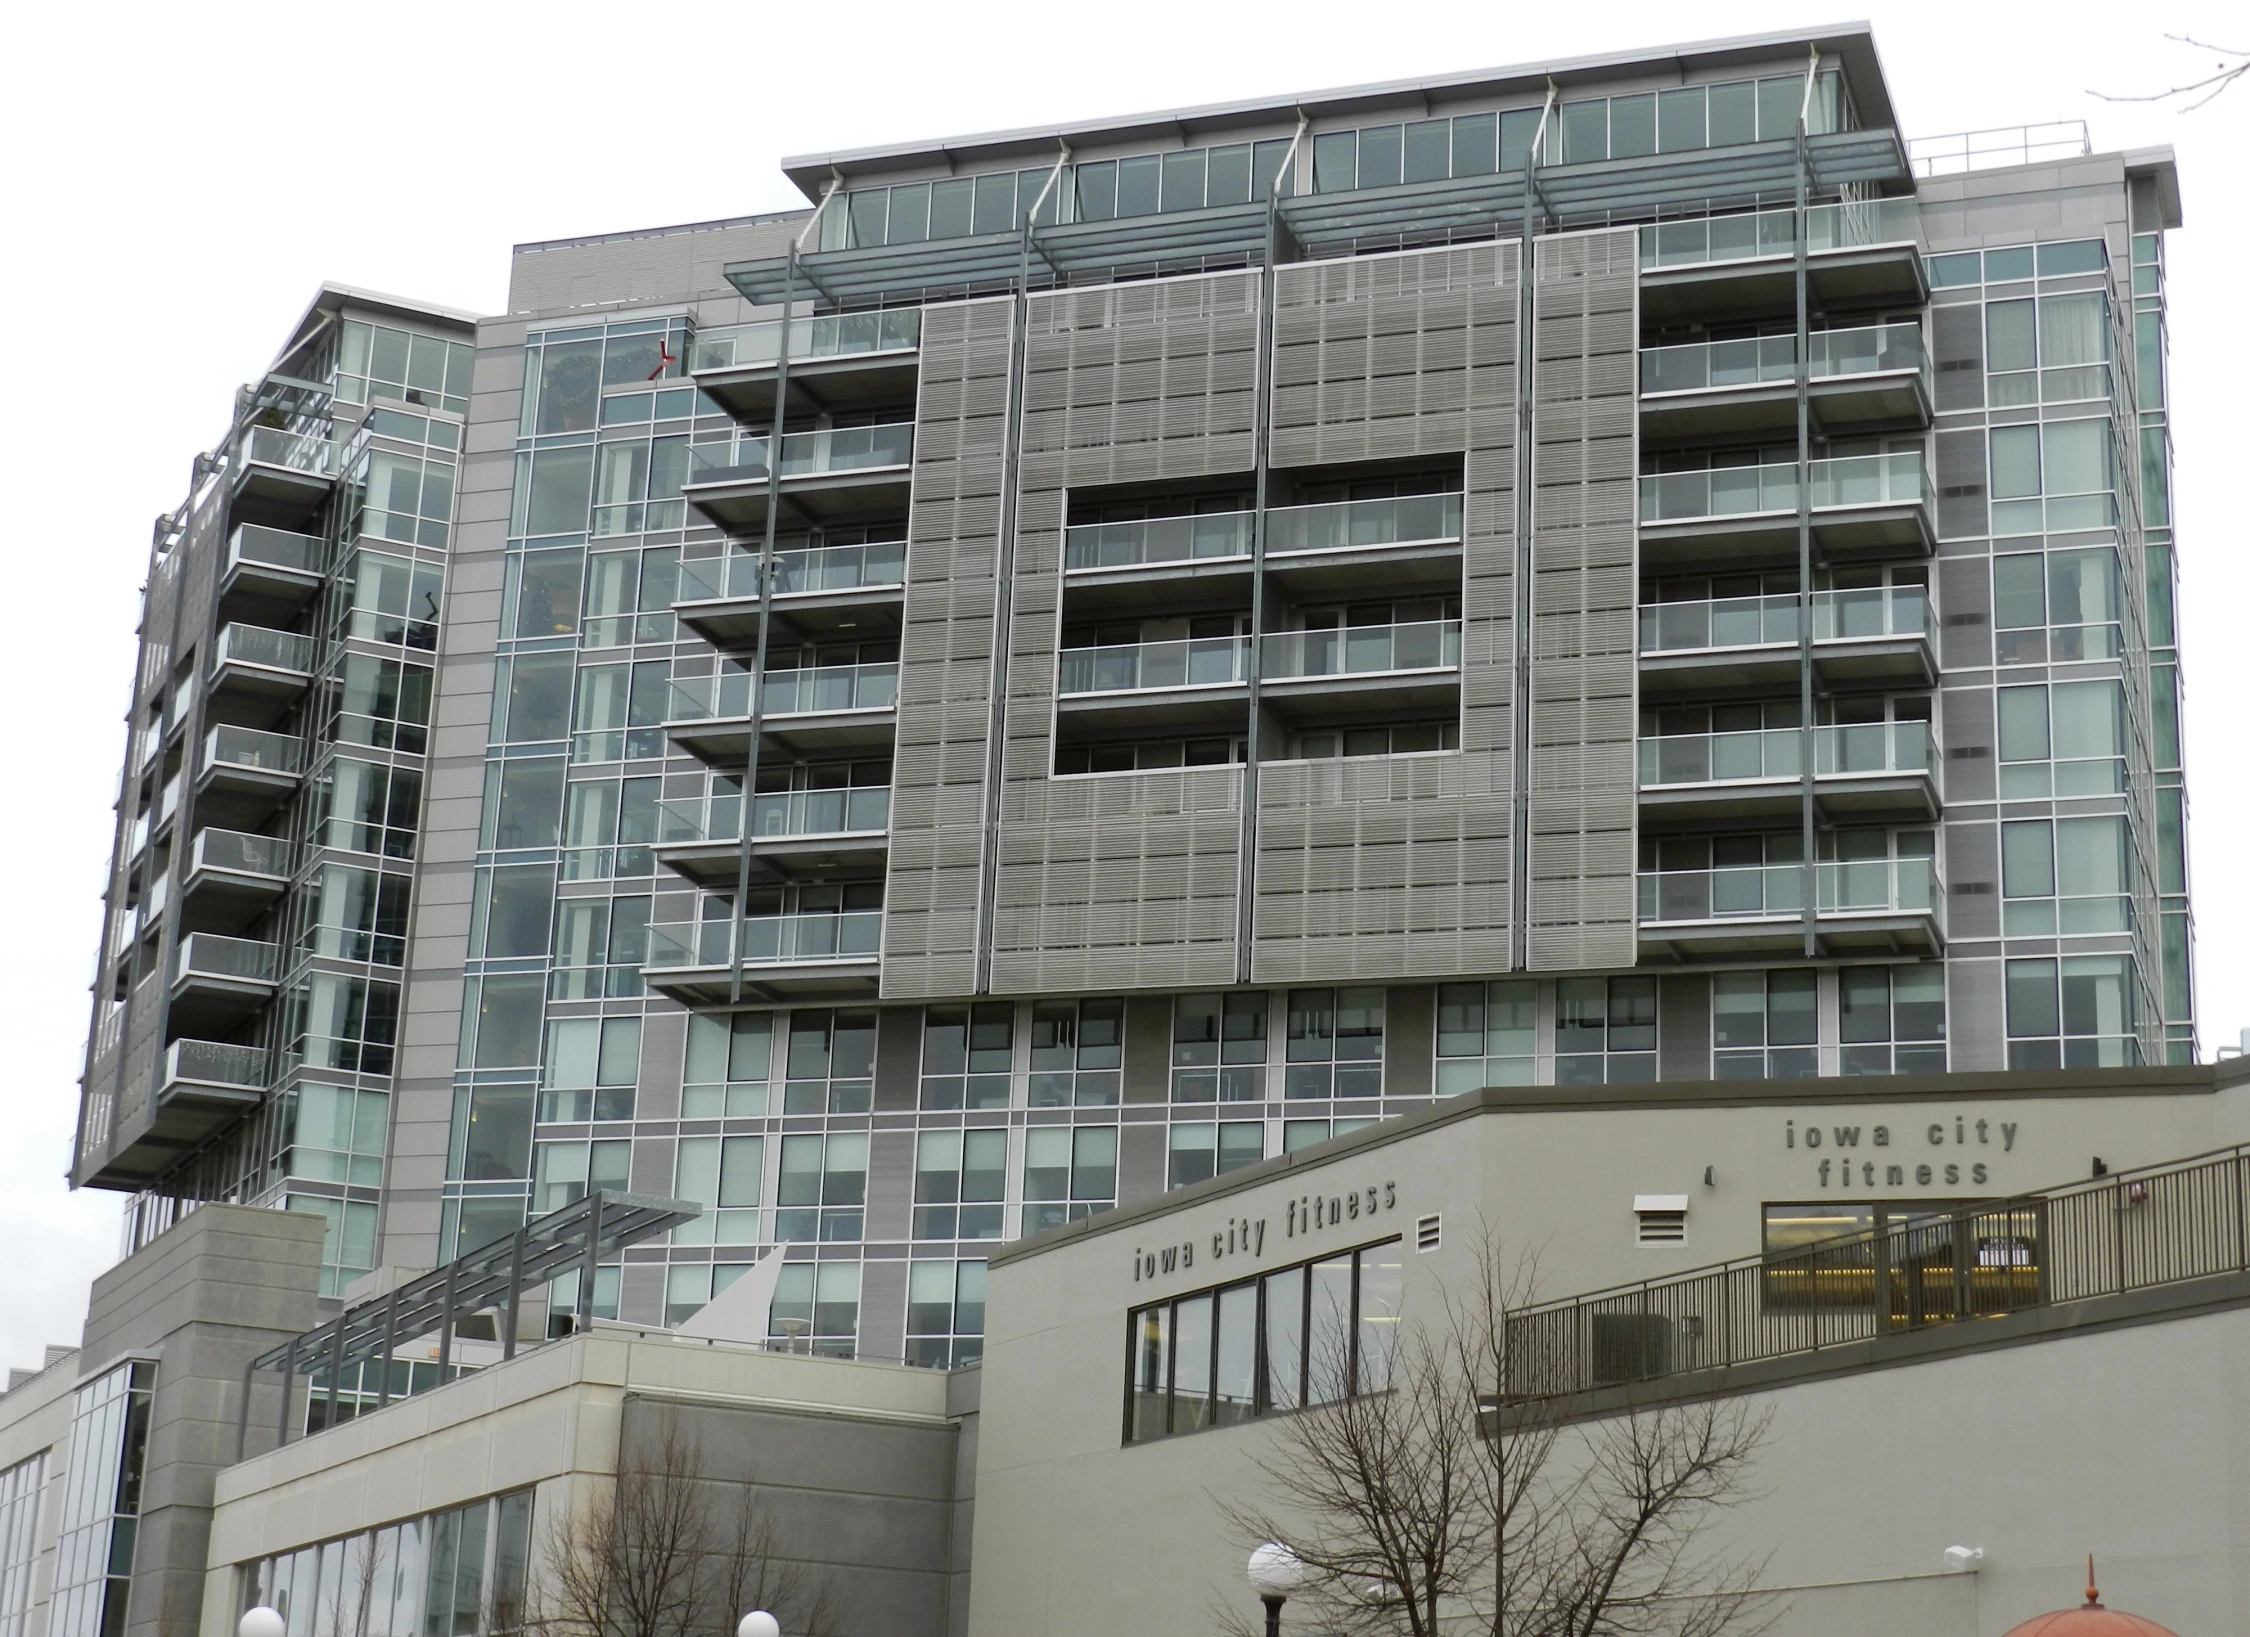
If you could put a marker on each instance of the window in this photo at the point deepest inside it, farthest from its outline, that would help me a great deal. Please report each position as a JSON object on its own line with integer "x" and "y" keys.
{"x": 531, "y": 698}
{"x": 403, "y": 497}
{"x": 620, "y": 711}
{"x": 1302, "y": 1134}
{"x": 2065, "y": 876}
{"x": 337, "y": 1135}
{"x": 1219, "y": 1048}
{"x": 2071, "y": 735}
{"x": 101, "y": 1502}
{"x": 967, "y": 1055}
{"x": 1077, "y": 1053}
{"x": 608, "y": 826}
{"x": 458, "y": 1573}
{"x": 1069, "y": 1172}
{"x": 689, "y": 1287}
{"x": 831, "y": 1063}
{"x": 600, "y": 946}
{"x": 816, "y": 1308}
{"x": 944, "y": 1314}
{"x": 1310, "y": 1334}
{"x": 2076, "y": 592}
{"x": 960, "y": 1181}
{"x": 21, "y": 1488}
{"x": 365, "y": 807}
{"x": 726, "y": 1176}
{"x": 1605, "y": 1031}
{"x": 1929, "y": 1256}
{"x": 2078, "y": 1012}
{"x": 1200, "y": 1152}
{"x": 1401, "y": 739}
{"x": 1765, "y": 1025}
{"x": 522, "y": 802}
{"x": 377, "y": 361}
{"x": 1335, "y": 1046}
{"x": 383, "y": 703}
{"x": 1487, "y": 1035}
{"x": 393, "y": 600}
{"x": 729, "y": 1058}
{"x": 563, "y": 1173}
{"x": 1891, "y": 1019}
{"x": 629, "y": 594}
{"x": 335, "y": 1022}
{"x": 2070, "y": 462}
{"x": 823, "y": 1188}
{"x": 513, "y": 913}
{"x": 355, "y": 915}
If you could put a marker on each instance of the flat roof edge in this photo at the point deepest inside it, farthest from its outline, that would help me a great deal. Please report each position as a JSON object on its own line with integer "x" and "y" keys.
{"x": 530, "y": 247}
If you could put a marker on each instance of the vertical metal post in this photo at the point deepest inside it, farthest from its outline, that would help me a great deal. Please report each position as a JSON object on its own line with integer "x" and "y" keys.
{"x": 288, "y": 1391}
{"x": 590, "y": 1262}
{"x": 1808, "y": 740}
{"x": 1519, "y": 709}
{"x": 445, "y": 1320}
{"x": 242, "y": 1421}
{"x": 515, "y": 1292}
{"x": 390, "y": 1345}
{"x": 336, "y": 1371}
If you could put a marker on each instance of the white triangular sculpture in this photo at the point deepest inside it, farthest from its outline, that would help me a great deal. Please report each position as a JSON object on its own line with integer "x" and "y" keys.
{"x": 739, "y": 1312}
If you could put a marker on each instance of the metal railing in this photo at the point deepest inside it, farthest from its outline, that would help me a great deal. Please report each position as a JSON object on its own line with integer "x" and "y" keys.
{"x": 234, "y": 852}
{"x": 1157, "y": 540}
{"x": 213, "y": 1062}
{"x": 1187, "y": 662}
{"x": 290, "y": 451}
{"x": 1713, "y": 623}
{"x": 1754, "y": 235}
{"x": 875, "y": 564}
{"x": 2001, "y": 145}
{"x": 819, "y": 452}
{"x": 276, "y": 548}
{"x": 1767, "y": 360}
{"x": 208, "y": 955}
{"x": 1852, "y": 750}
{"x": 798, "y": 692}
{"x": 268, "y": 649}
{"x": 1344, "y": 524}
{"x": 1758, "y": 892}
{"x": 839, "y": 335}
{"x": 1422, "y": 645}
{"x": 252, "y": 749}
{"x": 859, "y": 810}
{"x": 1897, "y": 479}
{"x": 846, "y": 935}
{"x": 2137, "y": 1230}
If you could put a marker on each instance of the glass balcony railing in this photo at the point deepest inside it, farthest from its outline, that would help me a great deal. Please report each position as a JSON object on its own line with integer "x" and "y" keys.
{"x": 241, "y": 960}
{"x": 1854, "y": 750}
{"x": 1344, "y": 524}
{"x": 1776, "y": 891}
{"x": 1768, "y": 360}
{"x": 860, "y": 810}
{"x": 769, "y": 940}
{"x": 290, "y": 451}
{"x": 823, "y": 451}
{"x": 1353, "y": 650}
{"x": 798, "y": 692}
{"x": 1769, "y": 490}
{"x": 874, "y": 565}
{"x": 839, "y": 335}
{"x": 1142, "y": 540}
{"x": 275, "y": 548}
{"x": 253, "y": 751}
{"x": 1766, "y": 622}
{"x": 212, "y": 1062}
{"x": 233, "y": 852}
{"x": 1751, "y": 235}
{"x": 2059, "y": 644}
{"x": 1124, "y": 667}
{"x": 269, "y": 650}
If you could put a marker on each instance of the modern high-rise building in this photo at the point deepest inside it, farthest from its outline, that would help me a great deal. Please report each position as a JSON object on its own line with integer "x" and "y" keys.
{"x": 1088, "y": 657}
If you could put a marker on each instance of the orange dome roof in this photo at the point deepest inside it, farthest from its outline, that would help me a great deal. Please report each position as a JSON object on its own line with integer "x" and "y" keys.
{"x": 2090, "y": 1619}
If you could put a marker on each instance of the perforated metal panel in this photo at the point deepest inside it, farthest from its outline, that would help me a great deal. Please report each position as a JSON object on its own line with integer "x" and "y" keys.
{"x": 1585, "y": 575}
{"x": 1400, "y": 867}
{"x": 945, "y": 653}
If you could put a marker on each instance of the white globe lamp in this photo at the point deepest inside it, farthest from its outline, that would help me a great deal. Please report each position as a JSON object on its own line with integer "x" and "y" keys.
{"x": 262, "y": 1622}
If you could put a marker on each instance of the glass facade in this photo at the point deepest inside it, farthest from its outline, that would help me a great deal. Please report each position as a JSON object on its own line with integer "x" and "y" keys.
{"x": 101, "y": 1502}
{"x": 457, "y": 1573}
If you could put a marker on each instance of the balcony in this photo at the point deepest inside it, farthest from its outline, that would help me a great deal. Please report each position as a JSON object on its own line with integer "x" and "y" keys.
{"x": 830, "y": 475}
{"x": 1867, "y": 635}
{"x": 796, "y": 833}
{"x": 1184, "y": 684}
{"x": 807, "y": 708}
{"x": 269, "y": 573}
{"x": 838, "y": 362}
{"x": 1877, "y": 906}
{"x": 232, "y": 878}
{"x": 1863, "y": 379}
{"x": 1409, "y": 667}
{"x": 1861, "y": 772}
{"x": 256, "y": 669}
{"x": 245, "y": 773}
{"x": 219, "y": 982}
{"x": 1863, "y": 506}
{"x": 782, "y": 955}
{"x": 851, "y": 592}
{"x": 1862, "y": 253}
{"x": 205, "y": 1085}
{"x": 282, "y": 477}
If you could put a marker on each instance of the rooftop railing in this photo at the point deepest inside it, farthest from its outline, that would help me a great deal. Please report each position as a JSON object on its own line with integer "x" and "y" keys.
{"x": 2001, "y": 145}
{"x": 2161, "y": 1226}
{"x": 875, "y": 564}
{"x": 846, "y": 935}
{"x": 820, "y": 452}
{"x": 1768, "y": 360}
{"x": 1853, "y": 750}
{"x": 1752, "y": 235}
{"x": 1771, "y": 489}
{"x": 1357, "y": 650}
{"x": 253, "y": 750}
{"x": 801, "y": 691}
{"x": 1714, "y": 623}
{"x": 1125, "y": 667}
{"x": 839, "y": 335}
{"x": 267, "y": 649}
{"x": 206, "y": 954}
{"x": 1759, "y": 892}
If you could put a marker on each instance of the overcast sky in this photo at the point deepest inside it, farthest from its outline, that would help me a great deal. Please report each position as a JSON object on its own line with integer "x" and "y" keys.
{"x": 179, "y": 179}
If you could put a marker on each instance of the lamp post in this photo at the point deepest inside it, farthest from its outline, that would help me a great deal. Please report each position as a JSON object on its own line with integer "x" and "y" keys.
{"x": 262, "y": 1622}
{"x": 757, "y": 1623}
{"x": 1275, "y": 1572}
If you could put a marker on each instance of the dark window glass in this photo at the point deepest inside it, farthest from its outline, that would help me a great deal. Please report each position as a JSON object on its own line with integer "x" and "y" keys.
{"x": 1632, "y": 126}
{"x": 1429, "y": 150}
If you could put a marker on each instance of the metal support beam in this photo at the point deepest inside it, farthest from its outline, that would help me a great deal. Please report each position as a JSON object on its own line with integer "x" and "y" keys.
{"x": 335, "y": 1370}
{"x": 589, "y": 1264}
{"x": 390, "y": 1345}
{"x": 1519, "y": 711}
{"x": 242, "y": 1421}
{"x": 446, "y": 1321}
{"x": 515, "y": 1296}
{"x": 288, "y": 1390}
{"x": 1808, "y": 740}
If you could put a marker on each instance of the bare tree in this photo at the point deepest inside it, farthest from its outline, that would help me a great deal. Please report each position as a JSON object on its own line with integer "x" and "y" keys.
{"x": 1423, "y": 1504}
{"x": 667, "y": 1552}
{"x": 2195, "y": 93}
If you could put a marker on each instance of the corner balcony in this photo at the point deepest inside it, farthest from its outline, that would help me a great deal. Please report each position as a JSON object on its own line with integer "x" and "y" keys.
{"x": 1875, "y": 635}
{"x": 282, "y": 476}
{"x": 1862, "y": 773}
{"x": 1863, "y": 379}
{"x": 254, "y": 668}
{"x": 837, "y": 362}
{"x": 1186, "y": 684}
{"x": 1859, "y": 254}
{"x": 1863, "y": 507}
{"x": 849, "y": 592}
{"x": 1380, "y": 669}
{"x": 218, "y": 983}
{"x": 203, "y": 1086}
{"x": 245, "y": 773}
{"x": 233, "y": 878}
{"x": 794, "y": 834}
{"x": 1878, "y": 906}
{"x": 830, "y": 475}
{"x": 270, "y": 573}
{"x": 807, "y": 709}
{"x": 817, "y": 954}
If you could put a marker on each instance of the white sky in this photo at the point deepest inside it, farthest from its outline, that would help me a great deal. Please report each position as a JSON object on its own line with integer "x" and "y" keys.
{"x": 178, "y": 180}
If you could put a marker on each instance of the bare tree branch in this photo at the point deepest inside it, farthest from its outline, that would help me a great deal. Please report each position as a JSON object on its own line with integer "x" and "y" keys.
{"x": 2210, "y": 85}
